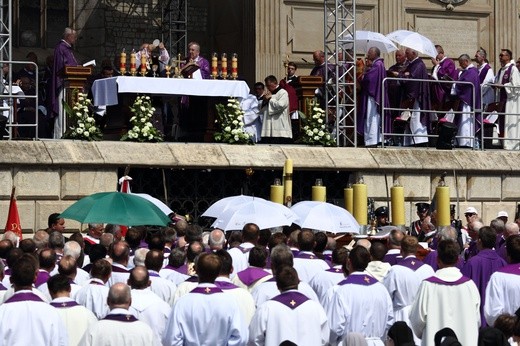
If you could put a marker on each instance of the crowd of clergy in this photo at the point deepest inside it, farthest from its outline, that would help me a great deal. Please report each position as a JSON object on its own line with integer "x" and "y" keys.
{"x": 179, "y": 285}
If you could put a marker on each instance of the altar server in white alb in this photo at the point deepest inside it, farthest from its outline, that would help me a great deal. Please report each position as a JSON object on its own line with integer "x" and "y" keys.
{"x": 290, "y": 316}
{"x": 240, "y": 254}
{"x": 77, "y": 318}
{"x": 322, "y": 281}
{"x": 120, "y": 327}
{"x": 404, "y": 278}
{"x": 162, "y": 287}
{"x": 94, "y": 294}
{"x": 306, "y": 263}
{"x": 447, "y": 299}
{"x": 276, "y": 125}
{"x": 502, "y": 291}
{"x": 360, "y": 304}
{"x": 26, "y": 318}
{"x": 206, "y": 315}
{"x": 146, "y": 305}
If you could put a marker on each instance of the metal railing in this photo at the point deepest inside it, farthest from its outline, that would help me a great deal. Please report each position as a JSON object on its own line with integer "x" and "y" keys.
{"x": 9, "y": 101}
{"x": 474, "y": 112}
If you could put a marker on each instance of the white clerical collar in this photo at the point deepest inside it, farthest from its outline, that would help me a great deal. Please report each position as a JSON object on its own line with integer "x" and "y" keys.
{"x": 469, "y": 66}
{"x": 443, "y": 59}
{"x": 415, "y": 59}
{"x": 68, "y": 44}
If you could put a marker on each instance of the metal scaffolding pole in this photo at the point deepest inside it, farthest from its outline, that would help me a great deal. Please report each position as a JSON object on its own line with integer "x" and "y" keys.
{"x": 340, "y": 69}
{"x": 175, "y": 26}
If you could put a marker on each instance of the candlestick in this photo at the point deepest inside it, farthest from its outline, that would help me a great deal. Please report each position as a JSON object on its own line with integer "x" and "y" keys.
{"x": 319, "y": 192}
{"x": 288, "y": 183}
{"x": 224, "y": 65}
{"x": 442, "y": 193}
{"x": 122, "y": 62}
{"x": 234, "y": 66}
{"x": 167, "y": 68}
{"x": 277, "y": 191}
{"x": 349, "y": 199}
{"x": 132, "y": 63}
{"x": 397, "y": 204}
{"x": 214, "y": 66}
{"x": 360, "y": 203}
{"x": 143, "y": 64}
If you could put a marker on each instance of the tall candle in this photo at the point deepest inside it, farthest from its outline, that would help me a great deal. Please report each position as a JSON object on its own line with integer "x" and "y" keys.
{"x": 277, "y": 194}
{"x": 234, "y": 66}
{"x": 143, "y": 63}
{"x": 319, "y": 193}
{"x": 132, "y": 63}
{"x": 443, "y": 205}
{"x": 360, "y": 203}
{"x": 122, "y": 62}
{"x": 224, "y": 65}
{"x": 288, "y": 182}
{"x": 214, "y": 66}
{"x": 349, "y": 199}
{"x": 397, "y": 204}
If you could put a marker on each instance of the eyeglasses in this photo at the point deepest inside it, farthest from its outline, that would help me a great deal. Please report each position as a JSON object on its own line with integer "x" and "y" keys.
{"x": 469, "y": 214}
{"x": 501, "y": 55}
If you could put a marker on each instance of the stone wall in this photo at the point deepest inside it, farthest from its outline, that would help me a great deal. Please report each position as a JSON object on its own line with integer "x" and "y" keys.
{"x": 51, "y": 175}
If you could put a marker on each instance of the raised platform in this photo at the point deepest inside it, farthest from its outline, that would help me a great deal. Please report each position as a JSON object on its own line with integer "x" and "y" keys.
{"x": 50, "y": 175}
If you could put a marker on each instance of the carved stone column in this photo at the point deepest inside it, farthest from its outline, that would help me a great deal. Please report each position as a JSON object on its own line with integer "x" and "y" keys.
{"x": 506, "y": 27}
{"x": 268, "y": 54}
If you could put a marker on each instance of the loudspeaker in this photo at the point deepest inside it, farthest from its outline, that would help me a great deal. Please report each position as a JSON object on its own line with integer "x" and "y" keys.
{"x": 447, "y": 133}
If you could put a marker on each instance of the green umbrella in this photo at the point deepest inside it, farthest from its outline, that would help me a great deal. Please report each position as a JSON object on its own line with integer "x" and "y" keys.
{"x": 116, "y": 208}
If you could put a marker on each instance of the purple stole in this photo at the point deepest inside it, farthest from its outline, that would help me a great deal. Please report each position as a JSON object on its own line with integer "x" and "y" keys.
{"x": 154, "y": 274}
{"x": 23, "y": 297}
{"x": 364, "y": 280}
{"x": 224, "y": 285}
{"x": 69, "y": 304}
{"x": 506, "y": 78}
{"x": 116, "y": 269}
{"x": 391, "y": 258}
{"x": 96, "y": 283}
{"x": 206, "y": 290}
{"x": 334, "y": 270}
{"x": 2, "y": 287}
{"x": 192, "y": 279}
{"x": 291, "y": 299}
{"x": 411, "y": 263}
{"x": 43, "y": 277}
{"x": 183, "y": 269}
{"x": 251, "y": 275}
{"x": 121, "y": 317}
{"x": 483, "y": 73}
{"x": 243, "y": 249}
{"x": 436, "y": 280}
{"x": 307, "y": 256}
{"x": 510, "y": 269}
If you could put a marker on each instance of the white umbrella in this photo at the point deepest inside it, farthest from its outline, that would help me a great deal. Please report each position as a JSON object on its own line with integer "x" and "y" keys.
{"x": 414, "y": 40}
{"x": 368, "y": 39}
{"x": 158, "y": 203}
{"x": 223, "y": 204}
{"x": 324, "y": 216}
{"x": 263, "y": 213}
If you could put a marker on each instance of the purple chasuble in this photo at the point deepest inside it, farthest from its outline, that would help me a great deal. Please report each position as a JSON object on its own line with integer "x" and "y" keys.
{"x": 479, "y": 269}
{"x": 121, "y": 317}
{"x": 431, "y": 259}
{"x": 224, "y": 285}
{"x": 436, "y": 280}
{"x": 22, "y": 297}
{"x": 465, "y": 93}
{"x": 63, "y": 56}
{"x": 365, "y": 280}
{"x": 417, "y": 90}
{"x": 411, "y": 263}
{"x": 206, "y": 290}
{"x": 291, "y": 299}
{"x": 251, "y": 275}
{"x": 69, "y": 304}
{"x": 391, "y": 258}
{"x": 510, "y": 269}
{"x": 447, "y": 71}
{"x": 371, "y": 85}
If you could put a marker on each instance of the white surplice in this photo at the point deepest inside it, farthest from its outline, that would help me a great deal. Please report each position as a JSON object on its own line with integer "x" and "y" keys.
{"x": 269, "y": 290}
{"x": 308, "y": 267}
{"x": 151, "y": 309}
{"x": 322, "y": 281}
{"x": 77, "y": 319}
{"x": 94, "y": 296}
{"x": 502, "y": 296}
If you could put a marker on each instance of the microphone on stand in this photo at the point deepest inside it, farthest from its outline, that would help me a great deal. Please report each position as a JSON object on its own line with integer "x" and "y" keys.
{"x": 305, "y": 60}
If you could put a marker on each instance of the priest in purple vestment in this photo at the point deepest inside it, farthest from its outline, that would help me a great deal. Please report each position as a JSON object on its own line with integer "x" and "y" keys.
{"x": 444, "y": 70}
{"x": 416, "y": 98}
{"x": 63, "y": 56}
{"x": 369, "y": 113}
{"x": 480, "y": 267}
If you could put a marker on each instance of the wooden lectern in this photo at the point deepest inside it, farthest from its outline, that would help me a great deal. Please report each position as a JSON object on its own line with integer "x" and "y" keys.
{"x": 75, "y": 78}
{"x": 309, "y": 84}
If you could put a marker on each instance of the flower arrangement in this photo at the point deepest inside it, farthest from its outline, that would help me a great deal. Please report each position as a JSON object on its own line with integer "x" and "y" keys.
{"x": 315, "y": 131}
{"x": 83, "y": 125}
{"x": 142, "y": 129}
{"x": 230, "y": 118}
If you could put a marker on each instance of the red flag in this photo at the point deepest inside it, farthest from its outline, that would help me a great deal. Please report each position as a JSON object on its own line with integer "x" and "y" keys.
{"x": 13, "y": 218}
{"x": 125, "y": 188}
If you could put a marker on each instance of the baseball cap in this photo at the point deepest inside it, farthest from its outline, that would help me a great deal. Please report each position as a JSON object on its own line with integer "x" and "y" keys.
{"x": 503, "y": 214}
{"x": 471, "y": 210}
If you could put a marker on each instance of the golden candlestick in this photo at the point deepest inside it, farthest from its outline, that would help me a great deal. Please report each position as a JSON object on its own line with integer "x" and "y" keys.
{"x": 122, "y": 62}
{"x": 143, "y": 63}
{"x": 224, "y": 66}
{"x": 214, "y": 66}
{"x": 132, "y": 63}
{"x": 167, "y": 68}
{"x": 234, "y": 66}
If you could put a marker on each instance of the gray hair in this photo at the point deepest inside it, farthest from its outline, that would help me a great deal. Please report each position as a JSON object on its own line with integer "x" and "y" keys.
{"x": 464, "y": 57}
{"x": 72, "y": 248}
{"x": 447, "y": 232}
{"x": 498, "y": 225}
{"x": 140, "y": 256}
{"x": 41, "y": 239}
{"x": 56, "y": 240}
{"x": 511, "y": 228}
{"x": 13, "y": 237}
{"x": 95, "y": 225}
{"x": 281, "y": 255}
{"x": 217, "y": 238}
{"x": 68, "y": 31}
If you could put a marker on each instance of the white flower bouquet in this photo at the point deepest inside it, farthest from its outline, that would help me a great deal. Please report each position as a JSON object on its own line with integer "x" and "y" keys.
{"x": 83, "y": 125}
{"x": 314, "y": 131}
{"x": 141, "y": 127}
{"x": 230, "y": 118}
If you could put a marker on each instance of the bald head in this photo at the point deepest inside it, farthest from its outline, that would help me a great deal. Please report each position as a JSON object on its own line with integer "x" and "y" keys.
{"x": 67, "y": 267}
{"x": 511, "y": 229}
{"x": 217, "y": 239}
{"x": 364, "y": 243}
{"x": 120, "y": 252}
{"x": 139, "y": 278}
{"x": 119, "y": 296}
